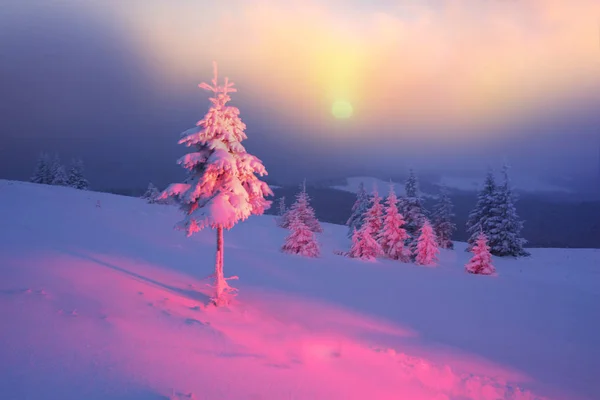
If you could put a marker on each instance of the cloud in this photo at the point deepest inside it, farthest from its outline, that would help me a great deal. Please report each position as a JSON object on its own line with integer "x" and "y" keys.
{"x": 430, "y": 65}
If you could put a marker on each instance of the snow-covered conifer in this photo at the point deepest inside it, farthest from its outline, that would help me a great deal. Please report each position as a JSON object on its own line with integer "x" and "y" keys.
{"x": 411, "y": 206}
{"x": 59, "y": 175}
{"x": 222, "y": 187}
{"x": 479, "y": 218}
{"x": 481, "y": 262}
{"x": 281, "y": 211}
{"x": 42, "y": 172}
{"x": 374, "y": 214}
{"x": 359, "y": 209}
{"x": 364, "y": 246}
{"x": 303, "y": 209}
{"x": 301, "y": 239}
{"x": 442, "y": 218}
{"x": 393, "y": 235}
{"x": 76, "y": 179}
{"x": 504, "y": 225}
{"x": 427, "y": 247}
{"x": 152, "y": 194}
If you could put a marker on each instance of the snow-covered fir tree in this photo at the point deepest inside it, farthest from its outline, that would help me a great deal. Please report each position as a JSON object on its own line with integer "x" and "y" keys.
{"x": 152, "y": 194}
{"x": 57, "y": 170}
{"x": 364, "y": 246}
{"x": 426, "y": 250}
{"x": 76, "y": 178}
{"x": 481, "y": 262}
{"x": 374, "y": 214}
{"x": 222, "y": 187}
{"x": 301, "y": 240}
{"x": 442, "y": 218}
{"x": 393, "y": 236}
{"x": 504, "y": 225}
{"x": 359, "y": 209}
{"x": 303, "y": 209}
{"x": 478, "y": 220}
{"x": 42, "y": 172}
{"x": 281, "y": 211}
{"x": 411, "y": 207}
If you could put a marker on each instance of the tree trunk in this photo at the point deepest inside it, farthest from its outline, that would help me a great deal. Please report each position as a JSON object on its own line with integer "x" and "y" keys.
{"x": 220, "y": 283}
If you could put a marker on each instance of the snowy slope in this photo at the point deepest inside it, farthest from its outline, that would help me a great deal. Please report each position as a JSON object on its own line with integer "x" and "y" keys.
{"x": 107, "y": 303}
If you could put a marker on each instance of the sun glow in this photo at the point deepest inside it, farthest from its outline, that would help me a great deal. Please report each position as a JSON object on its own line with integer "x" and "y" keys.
{"x": 466, "y": 66}
{"x": 341, "y": 109}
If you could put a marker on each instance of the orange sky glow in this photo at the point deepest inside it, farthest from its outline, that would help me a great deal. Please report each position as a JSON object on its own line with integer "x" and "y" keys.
{"x": 463, "y": 63}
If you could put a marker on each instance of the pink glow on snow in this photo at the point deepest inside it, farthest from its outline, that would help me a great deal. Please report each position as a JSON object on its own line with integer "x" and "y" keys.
{"x": 106, "y": 302}
{"x": 154, "y": 327}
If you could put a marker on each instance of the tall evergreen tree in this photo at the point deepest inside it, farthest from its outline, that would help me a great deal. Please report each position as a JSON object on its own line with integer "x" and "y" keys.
{"x": 374, "y": 215}
{"x": 478, "y": 220}
{"x": 481, "y": 262}
{"x": 42, "y": 172}
{"x": 303, "y": 209}
{"x": 442, "y": 218}
{"x": 504, "y": 224}
{"x": 411, "y": 207}
{"x": 281, "y": 211}
{"x": 364, "y": 246}
{"x": 360, "y": 207}
{"x": 57, "y": 170}
{"x": 76, "y": 179}
{"x": 301, "y": 239}
{"x": 222, "y": 187}
{"x": 393, "y": 235}
{"x": 426, "y": 250}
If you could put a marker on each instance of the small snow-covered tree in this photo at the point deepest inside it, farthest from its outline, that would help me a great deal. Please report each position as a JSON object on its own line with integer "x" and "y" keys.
{"x": 481, "y": 262}
{"x": 427, "y": 247}
{"x": 393, "y": 236}
{"x": 59, "y": 175}
{"x": 152, "y": 194}
{"x": 478, "y": 220}
{"x": 504, "y": 225}
{"x": 364, "y": 246}
{"x": 411, "y": 206}
{"x": 303, "y": 209}
{"x": 76, "y": 179}
{"x": 374, "y": 214}
{"x": 42, "y": 172}
{"x": 442, "y": 218}
{"x": 222, "y": 187}
{"x": 301, "y": 239}
{"x": 359, "y": 209}
{"x": 281, "y": 211}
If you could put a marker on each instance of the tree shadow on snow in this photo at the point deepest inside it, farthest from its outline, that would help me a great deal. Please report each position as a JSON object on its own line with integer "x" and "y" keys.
{"x": 190, "y": 294}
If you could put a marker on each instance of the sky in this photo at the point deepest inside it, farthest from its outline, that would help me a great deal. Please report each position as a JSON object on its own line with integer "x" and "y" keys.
{"x": 438, "y": 85}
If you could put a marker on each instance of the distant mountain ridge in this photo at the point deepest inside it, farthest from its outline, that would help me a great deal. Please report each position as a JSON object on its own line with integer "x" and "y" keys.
{"x": 454, "y": 182}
